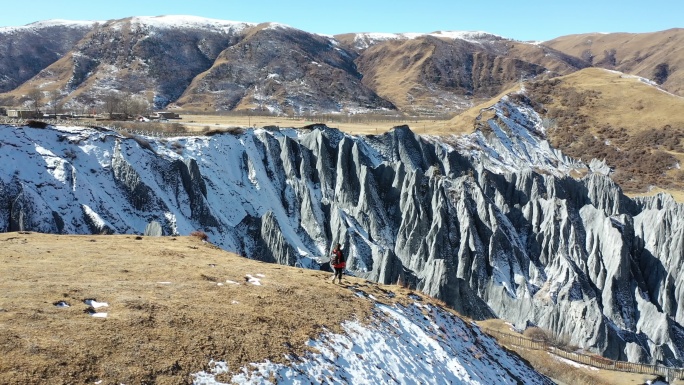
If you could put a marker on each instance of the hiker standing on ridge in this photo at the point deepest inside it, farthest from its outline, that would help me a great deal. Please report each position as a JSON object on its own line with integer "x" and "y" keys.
{"x": 338, "y": 263}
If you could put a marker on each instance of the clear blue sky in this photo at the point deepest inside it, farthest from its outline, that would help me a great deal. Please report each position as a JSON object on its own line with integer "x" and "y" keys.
{"x": 522, "y": 20}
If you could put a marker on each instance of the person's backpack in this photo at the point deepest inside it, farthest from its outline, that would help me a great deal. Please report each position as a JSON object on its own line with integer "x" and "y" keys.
{"x": 338, "y": 259}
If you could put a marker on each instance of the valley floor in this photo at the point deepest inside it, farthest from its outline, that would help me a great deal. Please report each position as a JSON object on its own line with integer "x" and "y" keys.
{"x": 369, "y": 127}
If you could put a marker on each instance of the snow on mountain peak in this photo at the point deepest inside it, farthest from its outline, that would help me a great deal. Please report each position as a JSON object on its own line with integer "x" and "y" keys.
{"x": 50, "y": 23}
{"x": 364, "y": 40}
{"x": 465, "y": 35}
{"x": 272, "y": 25}
{"x": 188, "y": 21}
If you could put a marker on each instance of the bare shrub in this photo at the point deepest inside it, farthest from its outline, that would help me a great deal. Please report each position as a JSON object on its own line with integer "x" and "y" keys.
{"x": 560, "y": 341}
{"x": 36, "y": 124}
{"x": 177, "y": 127}
{"x": 200, "y": 234}
{"x": 546, "y": 364}
{"x": 661, "y": 72}
{"x": 536, "y": 334}
{"x": 219, "y": 131}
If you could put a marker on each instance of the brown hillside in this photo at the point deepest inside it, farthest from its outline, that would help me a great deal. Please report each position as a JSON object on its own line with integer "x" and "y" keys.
{"x": 658, "y": 56}
{"x": 394, "y": 68}
{"x": 596, "y": 113}
{"x": 171, "y": 309}
{"x": 602, "y": 114}
{"x": 127, "y": 55}
{"x": 27, "y": 50}
{"x": 284, "y": 69}
{"x": 427, "y": 75}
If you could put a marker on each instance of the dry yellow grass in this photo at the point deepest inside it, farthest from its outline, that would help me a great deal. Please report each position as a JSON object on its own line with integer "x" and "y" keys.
{"x": 637, "y": 53}
{"x": 167, "y": 315}
{"x": 172, "y": 307}
{"x": 626, "y": 101}
{"x": 595, "y": 113}
{"x": 676, "y": 194}
{"x": 395, "y": 72}
{"x": 371, "y": 127}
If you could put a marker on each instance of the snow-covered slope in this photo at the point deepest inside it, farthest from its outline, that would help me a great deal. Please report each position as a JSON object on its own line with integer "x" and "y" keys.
{"x": 45, "y": 24}
{"x": 493, "y": 227}
{"x": 414, "y": 344}
{"x": 511, "y": 137}
{"x": 364, "y": 40}
{"x": 188, "y": 21}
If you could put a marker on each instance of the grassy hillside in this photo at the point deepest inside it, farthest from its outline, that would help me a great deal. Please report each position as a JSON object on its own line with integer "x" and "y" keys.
{"x": 597, "y": 113}
{"x": 175, "y": 304}
{"x": 564, "y": 371}
{"x": 657, "y": 55}
{"x": 171, "y": 309}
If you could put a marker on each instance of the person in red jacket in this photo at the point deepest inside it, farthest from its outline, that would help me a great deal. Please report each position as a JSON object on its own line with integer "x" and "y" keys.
{"x": 338, "y": 263}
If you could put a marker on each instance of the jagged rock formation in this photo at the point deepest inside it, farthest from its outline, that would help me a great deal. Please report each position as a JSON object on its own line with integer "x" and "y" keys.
{"x": 489, "y": 223}
{"x": 153, "y": 229}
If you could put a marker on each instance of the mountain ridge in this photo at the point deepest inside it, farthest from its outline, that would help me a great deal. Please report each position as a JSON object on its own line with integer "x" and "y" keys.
{"x": 443, "y": 72}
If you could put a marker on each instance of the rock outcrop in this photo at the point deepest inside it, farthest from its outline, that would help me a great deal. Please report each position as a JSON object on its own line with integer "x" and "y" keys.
{"x": 491, "y": 223}
{"x": 153, "y": 229}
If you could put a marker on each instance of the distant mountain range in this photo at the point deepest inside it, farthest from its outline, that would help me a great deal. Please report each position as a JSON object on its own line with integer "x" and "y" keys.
{"x": 214, "y": 65}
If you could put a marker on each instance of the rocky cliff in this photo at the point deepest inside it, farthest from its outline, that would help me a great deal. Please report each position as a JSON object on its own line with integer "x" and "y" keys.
{"x": 490, "y": 223}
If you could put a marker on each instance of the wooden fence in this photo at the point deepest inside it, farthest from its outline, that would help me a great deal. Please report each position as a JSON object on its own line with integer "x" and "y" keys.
{"x": 587, "y": 359}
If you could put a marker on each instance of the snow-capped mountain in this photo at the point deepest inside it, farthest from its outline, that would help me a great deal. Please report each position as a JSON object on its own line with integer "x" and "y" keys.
{"x": 199, "y": 63}
{"x": 285, "y": 71}
{"x": 363, "y": 41}
{"x": 491, "y": 224}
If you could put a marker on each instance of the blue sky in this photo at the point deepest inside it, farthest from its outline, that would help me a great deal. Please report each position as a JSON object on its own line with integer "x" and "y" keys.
{"x": 522, "y": 20}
